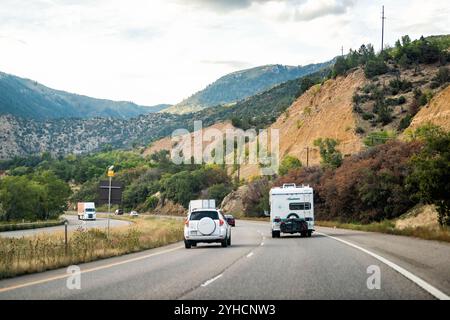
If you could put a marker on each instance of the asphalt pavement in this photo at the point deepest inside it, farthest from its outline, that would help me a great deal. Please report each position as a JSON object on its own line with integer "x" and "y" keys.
{"x": 73, "y": 224}
{"x": 332, "y": 264}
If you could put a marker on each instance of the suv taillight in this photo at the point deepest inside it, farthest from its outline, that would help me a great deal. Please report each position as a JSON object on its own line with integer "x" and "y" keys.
{"x": 186, "y": 222}
{"x": 221, "y": 222}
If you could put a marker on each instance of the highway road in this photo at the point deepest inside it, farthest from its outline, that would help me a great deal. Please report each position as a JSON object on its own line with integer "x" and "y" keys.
{"x": 333, "y": 264}
{"x": 74, "y": 223}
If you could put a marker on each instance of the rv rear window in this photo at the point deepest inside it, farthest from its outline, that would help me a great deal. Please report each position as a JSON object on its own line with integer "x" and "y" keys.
{"x": 197, "y": 215}
{"x": 300, "y": 206}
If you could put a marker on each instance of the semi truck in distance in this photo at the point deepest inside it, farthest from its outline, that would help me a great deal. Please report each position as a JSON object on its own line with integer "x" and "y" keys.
{"x": 292, "y": 210}
{"x": 86, "y": 211}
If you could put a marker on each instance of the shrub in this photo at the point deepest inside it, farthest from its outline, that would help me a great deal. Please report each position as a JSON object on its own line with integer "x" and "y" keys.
{"x": 360, "y": 130}
{"x": 430, "y": 177}
{"x": 378, "y": 138}
{"x": 219, "y": 191}
{"x": 442, "y": 77}
{"x": 369, "y": 186}
{"x": 405, "y": 122}
{"x": 368, "y": 116}
{"x": 331, "y": 157}
{"x": 256, "y": 199}
{"x": 289, "y": 163}
{"x": 375, "y": 67}
{"x": 398, "y": 85}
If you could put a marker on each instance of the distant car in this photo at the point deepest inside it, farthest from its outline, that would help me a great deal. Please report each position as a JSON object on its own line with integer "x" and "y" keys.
{"x": 230, "y": 219}
{"x": 207, "y": 226}
{"x": 134, "y": 214}
{"x": 119, "y": 212}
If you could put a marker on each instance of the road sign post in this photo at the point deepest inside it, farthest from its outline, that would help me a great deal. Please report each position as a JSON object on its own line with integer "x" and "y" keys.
{"x": 110, "y": 175}
{"x": 65, "y": 237}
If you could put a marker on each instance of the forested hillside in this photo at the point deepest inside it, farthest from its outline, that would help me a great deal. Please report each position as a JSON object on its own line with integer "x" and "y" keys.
{"x": 31, "y": 100}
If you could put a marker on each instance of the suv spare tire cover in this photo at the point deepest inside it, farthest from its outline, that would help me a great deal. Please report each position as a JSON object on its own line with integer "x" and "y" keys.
{"x": 206, "y": 226}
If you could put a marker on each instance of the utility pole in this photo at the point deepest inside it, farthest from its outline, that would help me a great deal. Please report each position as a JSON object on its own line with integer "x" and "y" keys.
{"x": 342, "y": 51}
{"x": 382, "y": 29}
{"x": 307, "y": 157}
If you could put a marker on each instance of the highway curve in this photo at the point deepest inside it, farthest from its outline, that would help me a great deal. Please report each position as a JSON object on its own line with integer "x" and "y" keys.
{"x": 333, "y": 264}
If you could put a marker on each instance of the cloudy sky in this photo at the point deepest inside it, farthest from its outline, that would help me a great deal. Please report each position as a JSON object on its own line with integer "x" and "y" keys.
{"x": 161, "y": 51}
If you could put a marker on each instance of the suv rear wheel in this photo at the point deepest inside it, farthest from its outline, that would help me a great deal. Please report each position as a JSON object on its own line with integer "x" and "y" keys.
{"x": 275, "y": 234}
{"x": 229, "y": 241}
{"x": 187, "y": 244}
{"x": 224, "y": 243}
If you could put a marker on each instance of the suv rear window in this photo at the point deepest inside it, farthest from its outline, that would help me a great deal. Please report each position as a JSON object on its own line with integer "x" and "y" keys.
{"x": 300, "y": 206}
{"x": 197, "y": 215}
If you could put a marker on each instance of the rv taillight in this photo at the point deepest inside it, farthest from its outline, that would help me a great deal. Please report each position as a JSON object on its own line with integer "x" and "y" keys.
{"x": 221, "y": 222}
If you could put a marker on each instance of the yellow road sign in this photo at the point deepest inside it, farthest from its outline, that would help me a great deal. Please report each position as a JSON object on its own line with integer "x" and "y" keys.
{"x": 110, "y": 173}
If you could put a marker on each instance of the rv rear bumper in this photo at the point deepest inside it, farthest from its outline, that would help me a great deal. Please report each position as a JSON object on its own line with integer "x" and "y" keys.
{"x": 294, "y": 226}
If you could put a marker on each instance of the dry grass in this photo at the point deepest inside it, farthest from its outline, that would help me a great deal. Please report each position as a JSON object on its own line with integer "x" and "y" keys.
{"x": 45, "y": 252}
{"x": 440, "y": 234}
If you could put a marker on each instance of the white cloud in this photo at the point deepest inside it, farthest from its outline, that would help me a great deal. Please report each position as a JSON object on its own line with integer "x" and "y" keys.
{"x": 163, "y": 51}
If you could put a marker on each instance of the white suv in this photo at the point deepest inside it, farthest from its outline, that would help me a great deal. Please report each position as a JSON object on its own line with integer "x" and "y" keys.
{"x": 206, "y": 225}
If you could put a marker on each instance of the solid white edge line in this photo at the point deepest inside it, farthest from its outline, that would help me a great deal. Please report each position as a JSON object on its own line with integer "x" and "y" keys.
{"x": 211, "y": 280}
{"x": 250, "y": 254}
{"x": 418, "y": 281}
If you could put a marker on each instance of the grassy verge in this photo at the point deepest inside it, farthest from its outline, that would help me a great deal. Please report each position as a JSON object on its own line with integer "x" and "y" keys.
{"x": 45, "y": 252}
{"x": 30, "y": 225}
{"x": 441, "y": 234}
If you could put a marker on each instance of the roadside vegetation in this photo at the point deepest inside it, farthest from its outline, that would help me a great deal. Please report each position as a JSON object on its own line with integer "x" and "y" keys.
{"x": 371, "y": 189}
{"x": 148, "y": 182}
{"x": 388, "y": 227}
{"x": 21, "y": 225}
{"x": 36, "y": 196}
{"x": 48, "y": 251}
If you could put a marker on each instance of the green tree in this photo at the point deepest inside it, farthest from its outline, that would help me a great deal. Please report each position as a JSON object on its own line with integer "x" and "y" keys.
{"x": 219, "y": 191}
{"x": 55, "y": 197}
{"x": 375, "y": 67}
{"x": 340, "y": 67}
{"x": 331, "y": 157}
{"x": 430, "y": 177}
{"x": 21, "y": 198}
{"x": 288, "y": 163}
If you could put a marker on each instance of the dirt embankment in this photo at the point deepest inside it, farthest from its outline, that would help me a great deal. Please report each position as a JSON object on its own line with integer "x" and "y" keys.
{"x": 168, "y": 144}
{"x": 324, "y": 111}
{"x": 436, "y": 112}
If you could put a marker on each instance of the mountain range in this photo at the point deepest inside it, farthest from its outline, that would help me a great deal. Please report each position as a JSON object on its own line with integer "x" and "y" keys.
{"x": 31, "y": 100}
{"x": 243, "y": 84}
